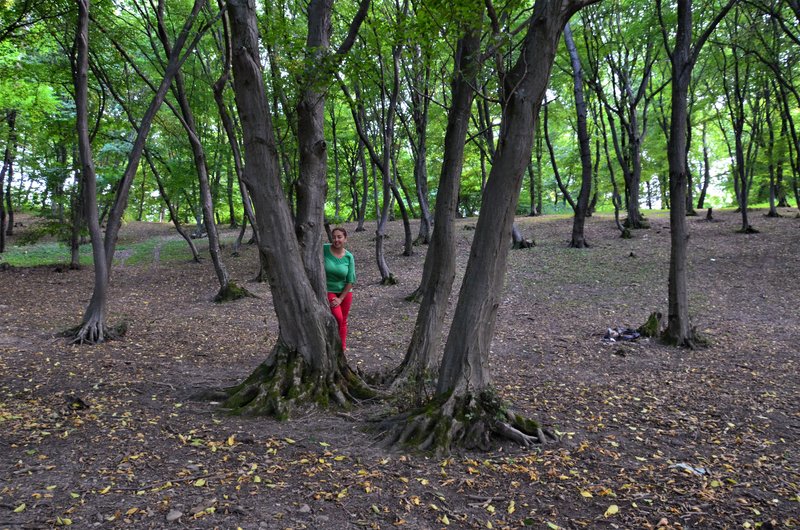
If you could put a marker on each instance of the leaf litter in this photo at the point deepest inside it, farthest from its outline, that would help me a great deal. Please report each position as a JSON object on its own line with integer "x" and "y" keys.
{"x": 109, "y": 435}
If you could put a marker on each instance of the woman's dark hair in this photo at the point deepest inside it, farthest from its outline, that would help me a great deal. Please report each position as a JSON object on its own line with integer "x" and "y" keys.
{"x": 339, "y": 229}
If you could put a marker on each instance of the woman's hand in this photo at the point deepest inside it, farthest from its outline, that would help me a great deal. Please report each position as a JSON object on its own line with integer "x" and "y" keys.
{"x": 336, "y": 302}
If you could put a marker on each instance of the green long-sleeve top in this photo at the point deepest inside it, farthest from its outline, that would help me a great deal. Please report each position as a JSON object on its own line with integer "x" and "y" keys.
{"x": 338, "y": 271}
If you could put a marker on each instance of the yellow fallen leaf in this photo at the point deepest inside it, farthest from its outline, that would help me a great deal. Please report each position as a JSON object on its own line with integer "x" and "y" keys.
{"x": 20, "y": 508}
{"x": 490, "y": 508}
{"x": 231, "y": 440}
{"x": 288, "y": 440}
{"x": 132, "y": 511}
{"x": 104, "y": 490}
{"x": 511, "y": 507}
{"x": 200, "y": 482}
{"x": 612, "y": 510}
{"x": 587, "y": 494}
{"x": 256, "y": 479}
{"x": 445, "y": 520}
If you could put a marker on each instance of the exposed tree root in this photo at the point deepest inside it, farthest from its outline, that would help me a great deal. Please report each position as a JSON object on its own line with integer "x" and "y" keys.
{"x": 95, "y": 331}
{"x": 748, "y": 230}
{"x": 466, "y": 422}
{"x": 626, "y": 234}
{"x": 285, "y": 381}
{"x": 389, "y": 280}
{"x": 640, "y": 225}
{"x": 578, "y": 244}
{"x": 232, "y": 292}
{"x": 523, "y": 244}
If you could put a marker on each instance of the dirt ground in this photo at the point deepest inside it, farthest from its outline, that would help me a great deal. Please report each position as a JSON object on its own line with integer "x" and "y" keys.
{"x": 651, "y": 436}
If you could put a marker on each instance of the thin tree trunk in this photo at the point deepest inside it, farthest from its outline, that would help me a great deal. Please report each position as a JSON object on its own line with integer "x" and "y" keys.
{"x": 7, "y": 169}
{"x": 227, "y": 289}
{"x": 173, "y": 213}
{"x": 582, "y": 206}
{"x": 706, "y": 171}
{"x": 93, "y": 327}
{"x": 554, "y": 164}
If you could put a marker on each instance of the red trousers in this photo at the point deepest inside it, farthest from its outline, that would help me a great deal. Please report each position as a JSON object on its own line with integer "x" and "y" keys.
{"x": 340, "y": 313}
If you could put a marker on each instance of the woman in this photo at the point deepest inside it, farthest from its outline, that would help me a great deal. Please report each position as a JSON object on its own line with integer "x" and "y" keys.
{"x": 340, "y": 273}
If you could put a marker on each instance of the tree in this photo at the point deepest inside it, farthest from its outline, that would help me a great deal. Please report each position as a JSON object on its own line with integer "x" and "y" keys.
{"x": 438, "y": 272}
{"x": 625, "y": 89}
{"x": 465, "y": 411}
{"x": 316, "y": 78}
{"x": 683, "y": 58}
{"x": 307, "y": 364}
{"x": 582, "y": 206}
{"x": 93, "y": 328}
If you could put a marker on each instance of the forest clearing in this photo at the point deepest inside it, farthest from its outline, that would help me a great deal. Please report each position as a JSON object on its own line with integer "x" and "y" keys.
{"x": 651, "y": 436}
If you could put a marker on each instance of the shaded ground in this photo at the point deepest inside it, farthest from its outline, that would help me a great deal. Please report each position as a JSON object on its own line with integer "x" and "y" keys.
{"x": 652, "y": 436}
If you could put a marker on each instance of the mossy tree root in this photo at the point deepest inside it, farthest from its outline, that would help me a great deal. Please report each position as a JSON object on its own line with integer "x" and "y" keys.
{"x": 285, "y": 381}
{"x": 467, "y": 422}
{"x": 232, "y": 292}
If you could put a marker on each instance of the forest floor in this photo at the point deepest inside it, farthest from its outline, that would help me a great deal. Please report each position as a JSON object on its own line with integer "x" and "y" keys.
{"x": 651, "y": 436}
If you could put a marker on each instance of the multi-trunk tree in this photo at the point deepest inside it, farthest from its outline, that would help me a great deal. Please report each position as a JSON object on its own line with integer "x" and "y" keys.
{"x": 465, "y": 411}
{"x": 307, "y": 365}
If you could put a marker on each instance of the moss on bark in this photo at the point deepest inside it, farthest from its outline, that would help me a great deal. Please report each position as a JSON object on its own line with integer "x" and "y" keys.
{"x": 469, "y": 421}
{"x": 285, "y": 381}
{"x": 232, "y": 292}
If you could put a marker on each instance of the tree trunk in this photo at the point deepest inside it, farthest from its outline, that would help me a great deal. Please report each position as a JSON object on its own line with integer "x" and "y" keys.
{"x": 554, "y": 163}
{"x": 465, "y": 411}
{"x": 307, "y": 365}
{"x": 227, "y": 289}
{"x": 679, "y": 330}
{"x": 438, "y": 273}
{"x": 408, "y": 240}
{"x": 706, "y": 172}
{"x": 582, "y": 207}
{"x": 771, "y": 155}
{"x": 173, "y": 213}
{"x": 93, "y": 327}
{"x": 7, "y": 169}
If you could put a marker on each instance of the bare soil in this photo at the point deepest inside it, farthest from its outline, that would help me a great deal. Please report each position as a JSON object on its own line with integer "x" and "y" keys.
{"x": 651, "y": 436}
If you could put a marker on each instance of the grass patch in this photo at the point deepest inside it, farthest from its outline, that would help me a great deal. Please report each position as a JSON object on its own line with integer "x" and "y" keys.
{"x": 43, "y": 254}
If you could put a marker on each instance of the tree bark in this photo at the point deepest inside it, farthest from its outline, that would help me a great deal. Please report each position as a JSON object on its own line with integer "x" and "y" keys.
{"x": 227, "y": 289}
{"x": 582, "y": 206}
{"x": 438, "y": 272}
{"x": 7, "y": 169}
{"x": 93, "y": 327}
{"x": 307, "y": 365}
{"x": 465, "y": 411}
{"x": 312, "y": 184}
{"x": 683, "y": 58}
{"x": 679, "y": 330}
